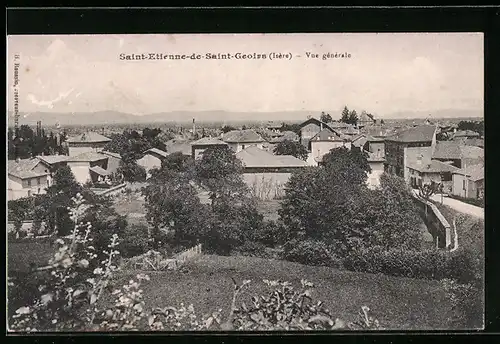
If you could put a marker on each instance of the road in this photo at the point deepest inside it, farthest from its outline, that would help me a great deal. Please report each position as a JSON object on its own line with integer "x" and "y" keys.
{"x": 460, "y": 206}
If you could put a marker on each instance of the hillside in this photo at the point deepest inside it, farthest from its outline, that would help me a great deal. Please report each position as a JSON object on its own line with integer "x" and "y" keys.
{"x": 115, "y": 117}
{"x": 398, "y": 303}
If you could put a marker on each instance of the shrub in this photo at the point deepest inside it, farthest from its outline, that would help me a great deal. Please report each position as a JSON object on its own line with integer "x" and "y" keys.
{"x": 310, "y": 252}
{"x": 272, "y": 234}
{"x": 252, "y": 249}
{"x": 135, "y": 241}
{"x": 428, "y": 264}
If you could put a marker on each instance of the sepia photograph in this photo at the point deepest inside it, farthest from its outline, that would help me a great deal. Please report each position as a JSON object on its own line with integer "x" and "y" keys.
{"x": 245, "y": 182}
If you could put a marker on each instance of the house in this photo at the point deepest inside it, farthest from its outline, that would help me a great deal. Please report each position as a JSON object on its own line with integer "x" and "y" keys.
{"x": 468, "y": 182}
{"x": 53, "y": 161}
{"x": 359, "y": 141}
{"x": 199, "y": 146}
{"x": 86, "y": 142}
{"x": 82, "y": 166}
{"x": 114, "y": 160}
{"x": 473, "y": 141}
{"x": 152, "y": 159}
{"x": 365, "y": 119}
{"x": 421, "y": 168}
{"x": 273, "y": 126}
{"x": 375, "y": 144}
{"x": 418, "y": 136}
{"x": 376, "y": 161}
{"x": 266, "y": 174}
{"x": 311, "y": 128}
{"x": 326, "y": 140}
{"x": 469, "y": 134}
{"x": 285, "y": 136}
{"x": 27, "y": 177}
{"x": 239, "y": 140}
{"x": 457, "y": 154}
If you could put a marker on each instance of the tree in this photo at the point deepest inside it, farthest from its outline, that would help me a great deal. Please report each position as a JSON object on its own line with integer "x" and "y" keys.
{"x": 173, "y": 205}
{"x": 349, "y": 164}
{"x": 287, "y": 147}
{"x": 321, "y": 206}
{"x": 227, "y": 128}
{"x": 131, "y": 171}
{"x": 59, "y": 197}
{"x": 220, "y": 172}
{"x": 382, "y": 122}
{"x": 353, "y": 118}
{"x": 344, "y": 117}
{"x": 325, "y": 117}
{"x": 428, "y": 189}
{"x": 291, "y": 127}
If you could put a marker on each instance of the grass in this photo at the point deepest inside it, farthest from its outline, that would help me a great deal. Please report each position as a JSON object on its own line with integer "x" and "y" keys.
{"x": 398, "y": 303}
{"x": 470, "y": 231}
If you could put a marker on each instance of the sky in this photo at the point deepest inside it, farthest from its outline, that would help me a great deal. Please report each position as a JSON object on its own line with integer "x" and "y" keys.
{"x": 385, "y": 73}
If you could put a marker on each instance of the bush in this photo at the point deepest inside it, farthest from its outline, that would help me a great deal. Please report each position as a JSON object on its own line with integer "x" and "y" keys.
{"x": 309, "y": 252}
{"x": 135, "y": 241}
{"x": 272, "y": 234}
{"x": 428, "y": 264}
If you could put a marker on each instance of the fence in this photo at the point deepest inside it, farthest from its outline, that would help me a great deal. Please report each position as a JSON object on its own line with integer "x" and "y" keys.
{"x": 435, "y": 222}
{"x": 267, "y": 186}
{"x": 154, "y": 261}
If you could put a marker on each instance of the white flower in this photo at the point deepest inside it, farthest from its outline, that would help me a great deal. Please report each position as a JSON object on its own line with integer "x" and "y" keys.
{"x": 84, "y": 263}
{"x": 23, "y": 310}
{"x": 97, "y": 271}
{"x": 67, "y": 262}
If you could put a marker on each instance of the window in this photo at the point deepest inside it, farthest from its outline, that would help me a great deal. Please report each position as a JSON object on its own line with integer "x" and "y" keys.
{"x": 29, "y": 193}
{"x": 38, "y": 181}
{"x": 29, "y": 182}
{"x": 446, "y": 177}
{"x": 242, "y": 146}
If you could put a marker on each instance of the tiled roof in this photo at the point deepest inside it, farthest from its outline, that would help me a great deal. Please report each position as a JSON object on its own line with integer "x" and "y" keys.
{"x": 156, "y": 151}
{"x": 339, "y": 125}
{"x": 88, "y": 137}
{"x": 237, "y": 136}
{"x": 474, "y": 172}
{"x": 359, "y": 140}
{"x": 286, "y": 135}
{"x": 52, "y": 159}
{"x": 208, "y": 141}
{"x": 112, "y": 154}
{"x": 377, "y": 131}
{"x": 413, "y": 154}
{"x": 87, "y": 157}
{"x": 434, "y": 166}
{"x": 100, "y": 171}
{"x": 421, "y": 133}
{"x": 326, "y": 135}
{"x": 256, "y": 157}
{"x": 23, "y": 169}
{"x": 453, "y": 150}
{"x": 466, "y": 133}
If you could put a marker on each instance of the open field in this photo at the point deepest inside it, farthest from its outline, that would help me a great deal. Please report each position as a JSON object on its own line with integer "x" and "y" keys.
{"x": 398, "y": 303}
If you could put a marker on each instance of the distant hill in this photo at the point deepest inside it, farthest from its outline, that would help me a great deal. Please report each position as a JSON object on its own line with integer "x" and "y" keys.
{"x": 115, "y": 117}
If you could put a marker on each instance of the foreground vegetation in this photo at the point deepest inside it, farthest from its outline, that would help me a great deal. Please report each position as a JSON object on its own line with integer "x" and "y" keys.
{"x": 328, "y": 218}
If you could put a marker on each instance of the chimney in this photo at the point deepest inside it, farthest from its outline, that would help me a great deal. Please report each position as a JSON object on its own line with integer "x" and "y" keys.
{"x": 194, "y": 126}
